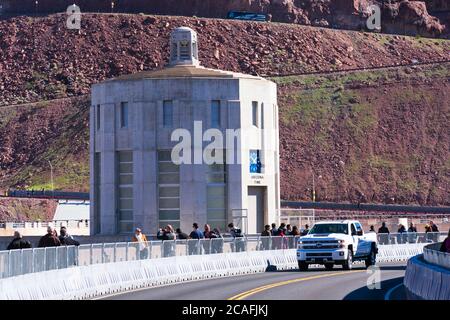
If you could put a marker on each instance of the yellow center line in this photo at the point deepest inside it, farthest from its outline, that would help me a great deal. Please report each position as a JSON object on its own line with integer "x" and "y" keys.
{"x": 248, "y": 293}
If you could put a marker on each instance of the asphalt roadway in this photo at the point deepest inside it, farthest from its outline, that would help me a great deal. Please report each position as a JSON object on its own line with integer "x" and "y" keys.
{"x": 314, "y": 284}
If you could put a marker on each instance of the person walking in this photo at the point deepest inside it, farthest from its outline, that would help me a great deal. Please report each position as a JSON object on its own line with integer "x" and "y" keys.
{"x": 435, "y": 231}
{"x": 266, "y": 234}
{"x": 288, "y": 230}
{"x": 169, "y": 238}
{"x": 236, "y": 233}
{"x": 412, "y": 228}
{"x": 142, "y": 244}
{"x": 208, "y": 234}
{"x": 400, "y": 236}
{"x": 195, "y": 234}
{"x": 49, "y": 240}
{"x": 274, "y": 229}
{"x": 18, "y": 242}
{"x": 305, "y": 231}
{"x": 412, "y": 233}
{"x": 216, "y": 241}
{"x": 181, "y": 235}
{"x": 384, "y": 233}
{"x": 66, "y": 239}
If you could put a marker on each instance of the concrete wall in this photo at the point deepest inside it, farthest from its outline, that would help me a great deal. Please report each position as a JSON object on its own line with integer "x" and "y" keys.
{"x": 146, "y": 135}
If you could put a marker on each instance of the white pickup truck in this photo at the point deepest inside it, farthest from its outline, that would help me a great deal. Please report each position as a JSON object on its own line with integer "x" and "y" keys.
{"x": 336, "y": 242}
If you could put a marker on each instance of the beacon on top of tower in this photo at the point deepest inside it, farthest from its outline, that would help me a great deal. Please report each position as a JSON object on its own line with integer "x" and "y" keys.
{"x": 184, "y": 47}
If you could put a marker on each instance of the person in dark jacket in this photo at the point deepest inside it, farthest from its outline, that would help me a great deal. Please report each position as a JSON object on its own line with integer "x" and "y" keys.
{"x": 181, "y": 235}
{"x": 67, "y": 239}
{"x": 265, "y": 241}
{"x": 412, "y": 228}
{"x": 305, "y": 231}
{"x": 445, "y": 247}
{"x": 49, "y": 240}
{"x": 18, "y": 242}
{"x": 384, "y": 233}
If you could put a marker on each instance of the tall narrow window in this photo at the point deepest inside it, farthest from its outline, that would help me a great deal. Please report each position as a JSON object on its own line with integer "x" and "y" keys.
{"x": 215, "y": 114}
{"x": 125, "y": 191}
{"x": 168, "y": 190}
{"x": 124, "y": 115}
{"x": 217, "y": 195}
{"x": 255, "y": 113}
{"x": 97, "y": 116}
{"x": 167, "y": 114}
{"x": 97, "y": 189}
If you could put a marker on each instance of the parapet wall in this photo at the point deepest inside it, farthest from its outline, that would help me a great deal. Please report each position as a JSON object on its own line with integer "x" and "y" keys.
{"x": 86, "y": 282}
{"x": 426, "y": 281}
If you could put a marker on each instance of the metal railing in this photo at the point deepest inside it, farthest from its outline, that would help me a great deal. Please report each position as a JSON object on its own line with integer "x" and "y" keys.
{"x": 410, "y": 237}
{"x": 431, "y": 254}
{"x": 17, "y": 262}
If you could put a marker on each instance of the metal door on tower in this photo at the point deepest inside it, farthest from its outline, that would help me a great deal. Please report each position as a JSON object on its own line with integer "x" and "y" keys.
{"x": 256, "y": 206}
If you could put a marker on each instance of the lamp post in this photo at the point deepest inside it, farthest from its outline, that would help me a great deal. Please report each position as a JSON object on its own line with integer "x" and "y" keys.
{"x": 51, "y": 176}
{"x": 314, "y": 187}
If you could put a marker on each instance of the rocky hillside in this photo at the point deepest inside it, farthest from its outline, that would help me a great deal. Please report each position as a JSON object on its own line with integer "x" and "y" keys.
{"x": 375, "y": 136}
{"x": 407, "y": 17}
{"x": 22, "y": 210}
{"x": 41, "y": 59}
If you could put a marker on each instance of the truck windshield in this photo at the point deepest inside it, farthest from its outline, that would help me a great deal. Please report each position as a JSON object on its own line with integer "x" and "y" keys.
{"x": 329, "y": 228}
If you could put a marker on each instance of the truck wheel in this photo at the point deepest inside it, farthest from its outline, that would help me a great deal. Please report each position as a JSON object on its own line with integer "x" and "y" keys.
{"x": 371, "y": 259}
{"x": 303, "y": 266}
{"x": 348, "y": 264}
{"x": 329, "y": 266}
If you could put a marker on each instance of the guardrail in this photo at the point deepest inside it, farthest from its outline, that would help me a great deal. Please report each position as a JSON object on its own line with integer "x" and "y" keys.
{"x": 410, "y": 237}
{"x": 431, "y": 254}
{"x": 45, "y": 224}
{"x": 19, "y": 262}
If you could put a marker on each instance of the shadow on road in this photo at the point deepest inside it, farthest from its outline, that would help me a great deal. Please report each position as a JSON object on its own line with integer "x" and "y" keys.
{"x": 339, "y": 268}
{"x": 364, "y": 293}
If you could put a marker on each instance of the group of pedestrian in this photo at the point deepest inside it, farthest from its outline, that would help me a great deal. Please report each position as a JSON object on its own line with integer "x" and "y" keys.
{"x": 284, "y": 230}
{"x": 50, "y": 239}
{"x": 430, "y": 227}
{"x": 407, "y": 235}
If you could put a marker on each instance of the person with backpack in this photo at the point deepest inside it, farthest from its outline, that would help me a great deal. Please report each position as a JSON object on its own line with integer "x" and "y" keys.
{"x": 238, "y": 236}
{"x": 18, "y": 242}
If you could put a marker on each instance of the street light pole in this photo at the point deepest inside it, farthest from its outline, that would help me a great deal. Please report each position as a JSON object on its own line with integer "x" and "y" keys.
{"x": 314, "y": 189}
{"x": 51, "y": 176}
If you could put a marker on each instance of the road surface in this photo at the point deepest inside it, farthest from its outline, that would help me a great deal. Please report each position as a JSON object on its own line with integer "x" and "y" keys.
{"x": 314, "y": 284}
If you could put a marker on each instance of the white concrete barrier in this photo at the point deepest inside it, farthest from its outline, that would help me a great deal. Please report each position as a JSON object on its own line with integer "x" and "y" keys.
{"x": 427, "y": 281}
{"x": 94, "y": 280}
{"x": 102, "y": 279}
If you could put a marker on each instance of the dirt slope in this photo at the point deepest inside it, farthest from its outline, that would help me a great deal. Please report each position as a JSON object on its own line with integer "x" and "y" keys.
{"x": 41, "y": 59}
{"x": 379, "y": 136}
